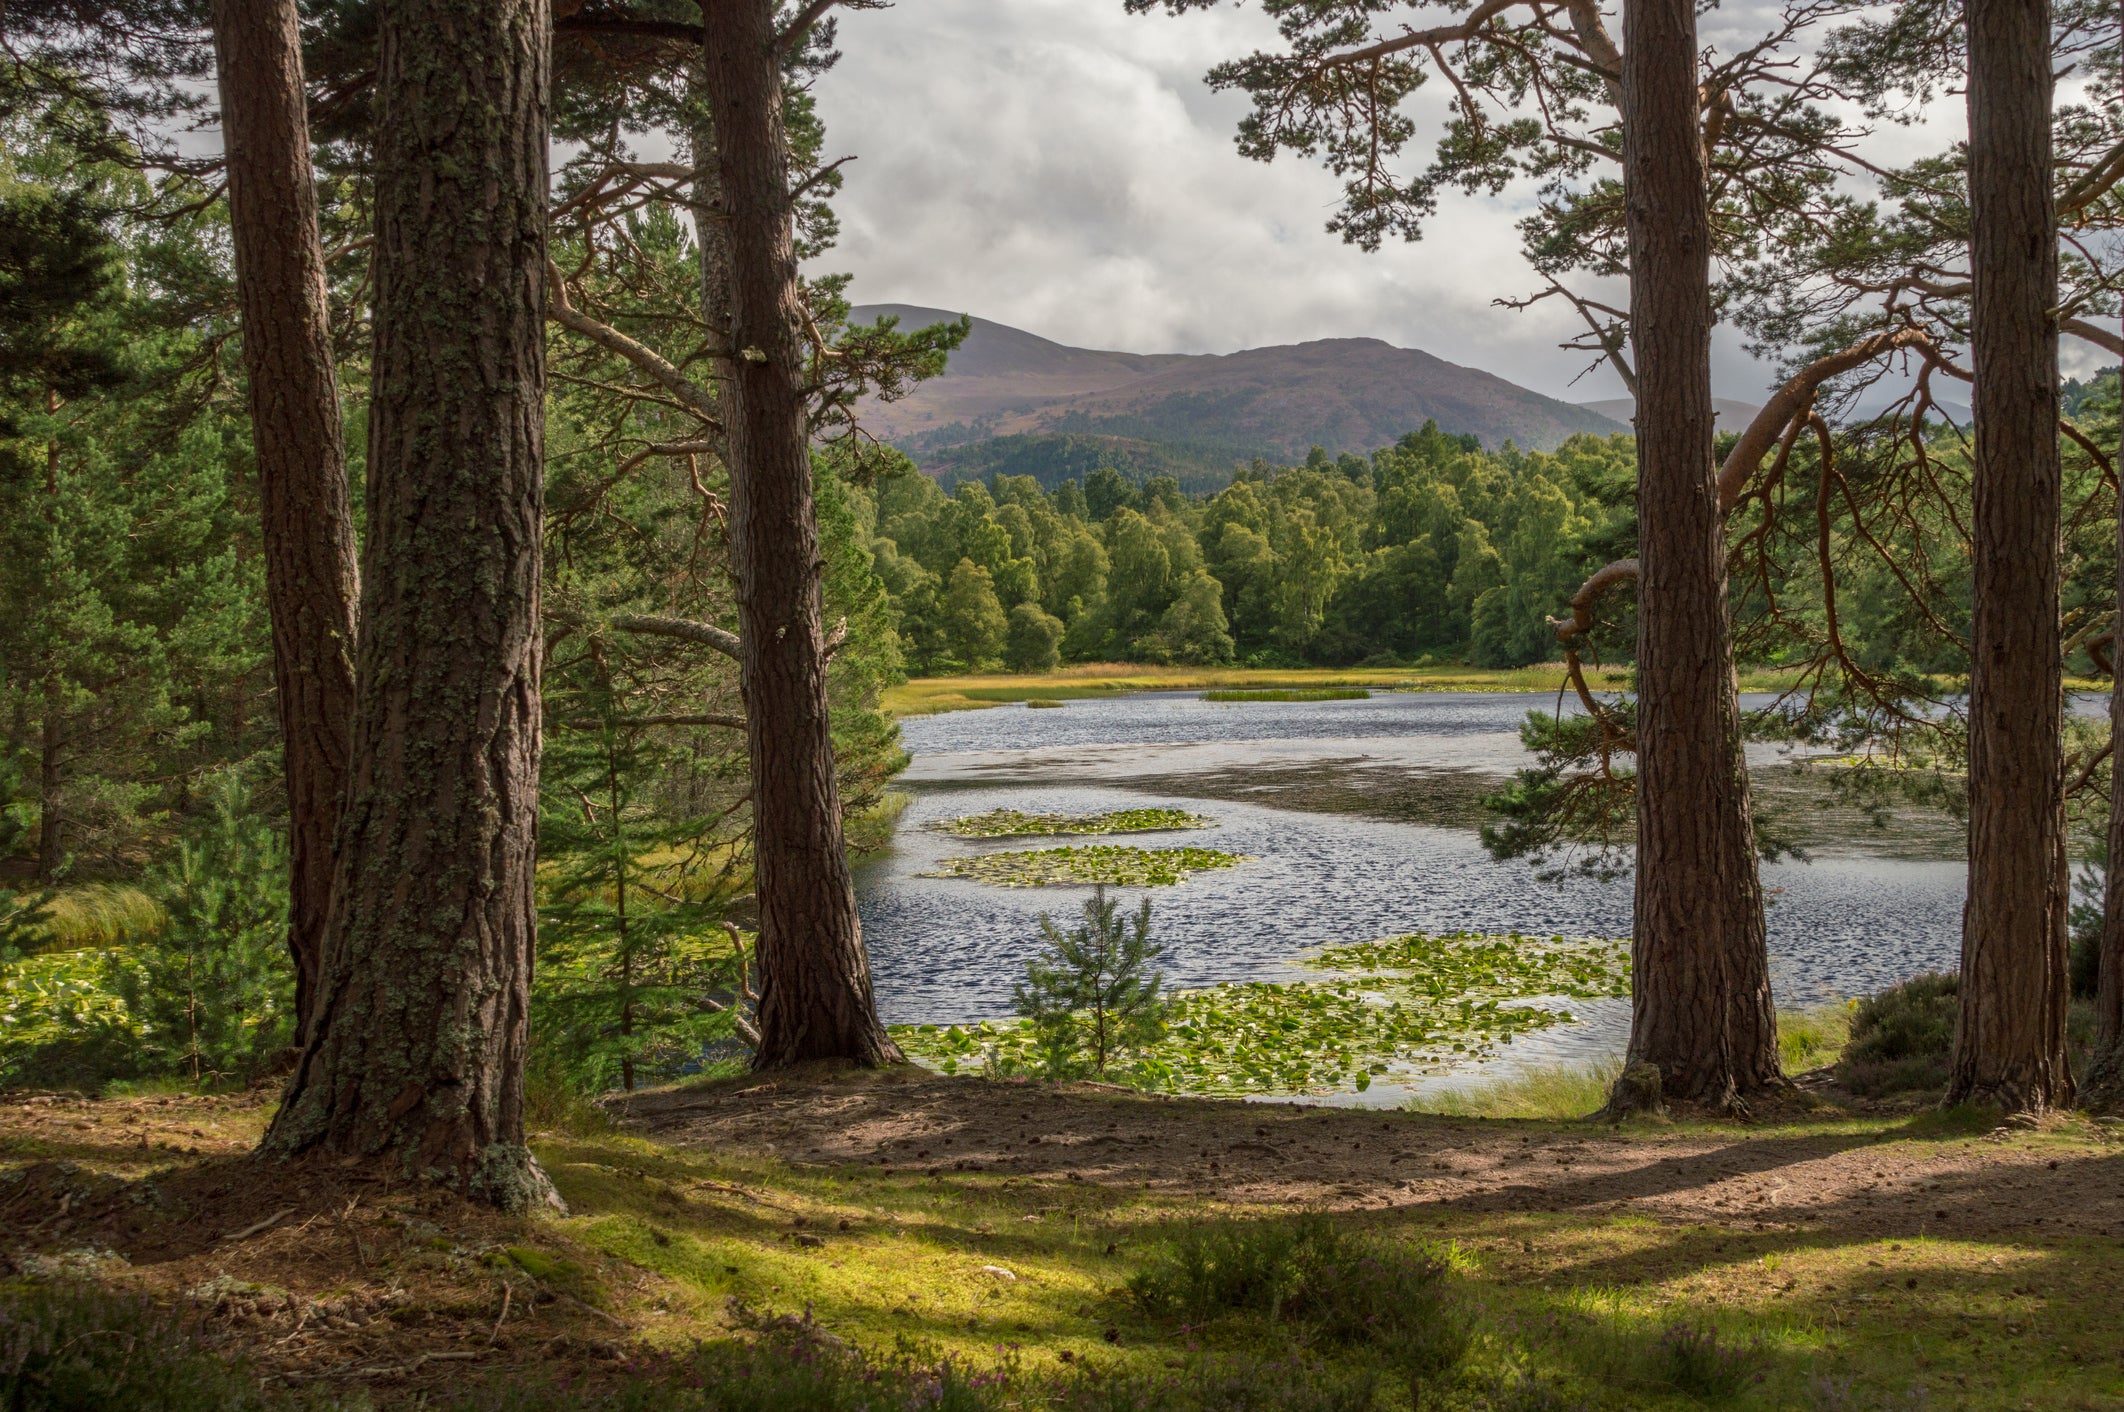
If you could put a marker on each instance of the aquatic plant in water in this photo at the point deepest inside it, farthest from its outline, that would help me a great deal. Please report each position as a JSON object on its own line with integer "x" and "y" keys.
{"x": 1012, "y": 823}
{"x": 1115, "y": 865}
{"x": 1401, "y": 1006}
{"x": 1304, "y": 693}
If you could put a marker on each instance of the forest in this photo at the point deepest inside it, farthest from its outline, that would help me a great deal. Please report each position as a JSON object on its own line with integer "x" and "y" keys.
{"x": 452, "y": 789}
{"x": 1430, "y": 550}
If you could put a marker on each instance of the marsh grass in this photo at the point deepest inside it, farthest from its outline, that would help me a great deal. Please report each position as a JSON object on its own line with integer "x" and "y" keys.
{"x": 926, "y": 695}
{"x": 1807, "y": 1039}
{"x": 1323, "y": 693}
{"x": 1557, "y": 1093}
{"x": 101, "y": 915}
{"x": 1814, "y": 1038}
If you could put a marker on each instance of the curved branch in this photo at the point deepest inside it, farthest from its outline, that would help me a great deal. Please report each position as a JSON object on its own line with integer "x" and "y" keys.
{"x": 1792, "y": 401}
{"x": 1422, "y": 38}
{"x": 2098, "y": 648}
{"x": 710, "y": 718}
{"x": 684, "y": 629}
{"x": 689, "y": 393}
{"x": 2107, "y": 339}
{"x": 1583, "y": 601}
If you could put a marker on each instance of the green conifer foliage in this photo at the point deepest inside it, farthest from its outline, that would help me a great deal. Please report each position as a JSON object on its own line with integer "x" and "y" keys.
{"x": 636, "y": 978}
{"x": 1091, "y": 996}
{"x": 212, "y": 995}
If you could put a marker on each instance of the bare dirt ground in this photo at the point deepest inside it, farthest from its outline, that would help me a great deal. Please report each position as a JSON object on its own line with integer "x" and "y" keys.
{"x": 1891, "y": 1176}
{"x": 311, "y": 1272}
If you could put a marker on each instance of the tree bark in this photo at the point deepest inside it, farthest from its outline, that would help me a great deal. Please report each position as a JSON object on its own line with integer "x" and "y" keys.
{"x": 2103, "y": 1088}
{"x": 51, "y": 785}
{"x": 1701, "y": 1007}
{"x": 2009, "y": 1044}
{"x": 416, "y": 1054}
{"x": 301, "y": 451}
{"x": 815, "y": 991}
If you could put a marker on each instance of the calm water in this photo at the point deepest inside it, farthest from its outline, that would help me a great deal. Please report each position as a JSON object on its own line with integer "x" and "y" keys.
{"x": 1333, "y": 801}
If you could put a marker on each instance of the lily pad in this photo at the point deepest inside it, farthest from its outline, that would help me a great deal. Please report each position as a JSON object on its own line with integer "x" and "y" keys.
{"x": 1394, "y": 1009}
{"x": 1116, "y": 865}
{"x": 1011, "y": 823}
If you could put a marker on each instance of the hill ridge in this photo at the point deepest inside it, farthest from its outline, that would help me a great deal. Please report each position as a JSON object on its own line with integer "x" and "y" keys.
{"x": 1345, "y": 394}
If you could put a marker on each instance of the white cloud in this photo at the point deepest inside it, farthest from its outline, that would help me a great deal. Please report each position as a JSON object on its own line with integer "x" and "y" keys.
{"x": 1060, "y": 166}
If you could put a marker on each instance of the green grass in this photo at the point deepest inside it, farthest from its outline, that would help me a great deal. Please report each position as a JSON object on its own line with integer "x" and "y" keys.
{"x": 1806, "y": 1039}
{"x": 1115, "y": 865}
{"x": 1116, "y": 1296}
{"x": 1011, "y": 823}
{"x": 101, "y": 915}
{"x": 1556, "y": 1092}
{"x": 1609, "y": 1313}
{"x": 1812, "y": 1039}
{"x": 1324, "y": 693}
{"x": 925, "y": 695}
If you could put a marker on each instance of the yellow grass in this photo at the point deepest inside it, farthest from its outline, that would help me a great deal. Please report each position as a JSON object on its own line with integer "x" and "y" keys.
{"x": 924, "y": 696}
{"x": 101, "y": 914}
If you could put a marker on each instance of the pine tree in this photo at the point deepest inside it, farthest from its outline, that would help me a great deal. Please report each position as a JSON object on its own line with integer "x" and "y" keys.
{"x": 416, "y": 1058}
{"x": 635, "y": 977}
{"x": 1090, "y": 995}
{"x": 212, "y": 992}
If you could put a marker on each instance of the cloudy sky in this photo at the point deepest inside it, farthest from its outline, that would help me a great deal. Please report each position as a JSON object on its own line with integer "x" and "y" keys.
{"x": 1060, "y": 166}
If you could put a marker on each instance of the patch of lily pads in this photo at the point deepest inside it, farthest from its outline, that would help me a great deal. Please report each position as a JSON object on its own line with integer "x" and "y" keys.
{"x": 1116, "y": 865}
{"x": 1013, "y": 823}
{"x": 1401, "y": 1007}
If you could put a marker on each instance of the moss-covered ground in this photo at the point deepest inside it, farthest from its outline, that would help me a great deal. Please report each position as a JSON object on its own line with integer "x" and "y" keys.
{"x": 1823, "y": 1260}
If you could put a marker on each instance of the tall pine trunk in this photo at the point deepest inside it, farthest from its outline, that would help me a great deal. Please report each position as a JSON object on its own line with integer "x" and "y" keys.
{"x": 416, "y": 1054}
{"x": 2009, "y": 1044}
{"x": 295, "y": 427}
{"x": 1700, "y": 1007}
{"x": 815, "y": 992}
{"x": 2103, "y": 1087}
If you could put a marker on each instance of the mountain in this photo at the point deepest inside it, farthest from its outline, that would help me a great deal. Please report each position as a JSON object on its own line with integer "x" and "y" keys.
{"x": 1732, "y": 416}
{"x": 1342, "y": 394}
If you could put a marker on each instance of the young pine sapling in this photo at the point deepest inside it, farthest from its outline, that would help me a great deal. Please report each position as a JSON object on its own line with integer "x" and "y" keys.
{"x": 1091, "y": 995}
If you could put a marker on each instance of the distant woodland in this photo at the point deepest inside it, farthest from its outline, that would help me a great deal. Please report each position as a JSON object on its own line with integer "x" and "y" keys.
{"x": 1431, "y": 549}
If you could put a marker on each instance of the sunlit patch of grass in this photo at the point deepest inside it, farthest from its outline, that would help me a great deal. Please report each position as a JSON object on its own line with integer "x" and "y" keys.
{"x": 101, "y": 915}
{"x": 1811, "y": 1039}
{"x": 926, "y": 695}
{"x": 1115, "y": 865}
{"x": 1557, "y": 1092}
{"x": 1573, "y": 1310}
